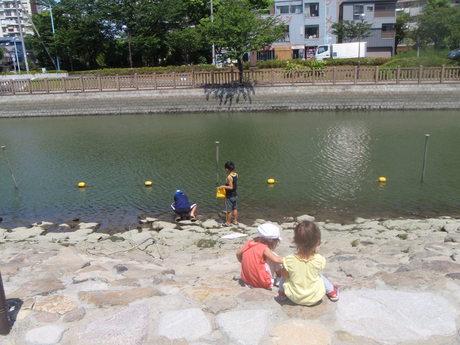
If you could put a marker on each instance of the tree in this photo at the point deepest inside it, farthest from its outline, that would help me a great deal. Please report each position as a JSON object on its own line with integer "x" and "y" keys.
{"x": 436, "y": 25}
{"x": 350, "y": 30}
{"x": 401, "y": 28}
{"x": 187, "y": 46}
{"x": 238, "y": 28}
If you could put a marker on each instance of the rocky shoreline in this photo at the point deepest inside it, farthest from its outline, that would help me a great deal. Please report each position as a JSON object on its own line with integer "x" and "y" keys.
{"x": 177, "y": 284}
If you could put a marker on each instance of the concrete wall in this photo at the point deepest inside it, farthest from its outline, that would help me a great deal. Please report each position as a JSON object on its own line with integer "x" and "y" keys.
{"x": 288, "y": 98}
{"x": 33, "y": 76}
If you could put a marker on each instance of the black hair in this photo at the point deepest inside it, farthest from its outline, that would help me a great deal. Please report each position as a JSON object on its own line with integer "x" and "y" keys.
{"x": 230, "y": 165}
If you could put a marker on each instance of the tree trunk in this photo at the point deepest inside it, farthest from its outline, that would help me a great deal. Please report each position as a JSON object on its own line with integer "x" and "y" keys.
{"x": 240, "y": 69}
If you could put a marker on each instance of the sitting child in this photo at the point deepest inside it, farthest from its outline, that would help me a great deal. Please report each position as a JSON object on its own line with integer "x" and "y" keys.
{"x": 258, "y": 262}
{"x": 182, "y": 208}
{"x": 302, "y": 281}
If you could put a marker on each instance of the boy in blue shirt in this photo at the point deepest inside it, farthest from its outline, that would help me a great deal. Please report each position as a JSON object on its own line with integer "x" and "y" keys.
{"x": 182, "y": 208}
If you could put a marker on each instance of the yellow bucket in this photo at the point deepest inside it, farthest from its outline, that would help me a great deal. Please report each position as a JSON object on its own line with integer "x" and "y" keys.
{"x": 220, "y": 193}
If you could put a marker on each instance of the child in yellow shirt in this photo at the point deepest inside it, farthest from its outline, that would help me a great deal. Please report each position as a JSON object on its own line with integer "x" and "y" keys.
{"x": 303, "y": 282}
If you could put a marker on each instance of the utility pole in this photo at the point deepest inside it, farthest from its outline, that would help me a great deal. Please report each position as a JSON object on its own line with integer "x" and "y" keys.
{"x": 5, "y": 325}
{"x": 213, "y": 46}
{"x": 58, "y": 66}
{"x": 24, "y": 52}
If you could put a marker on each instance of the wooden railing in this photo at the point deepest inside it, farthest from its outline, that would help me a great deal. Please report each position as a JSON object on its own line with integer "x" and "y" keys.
{"x": 225, "y": 78}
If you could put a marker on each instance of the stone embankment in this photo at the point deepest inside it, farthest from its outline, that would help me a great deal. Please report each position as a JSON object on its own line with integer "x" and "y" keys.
{"x": 245, "y": 98}
{"x": 177, "y": 284}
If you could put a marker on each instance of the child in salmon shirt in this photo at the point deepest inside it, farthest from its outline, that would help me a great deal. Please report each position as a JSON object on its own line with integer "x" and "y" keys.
{"x": 258, "y": 261}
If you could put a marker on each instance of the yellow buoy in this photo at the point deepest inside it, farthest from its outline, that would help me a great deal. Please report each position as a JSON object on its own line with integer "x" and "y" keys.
{"x": 271, "y": 181}
{"x": 382, "y": 179}
{"x": 81, "y": 184}
{"x": 148, "y": 183}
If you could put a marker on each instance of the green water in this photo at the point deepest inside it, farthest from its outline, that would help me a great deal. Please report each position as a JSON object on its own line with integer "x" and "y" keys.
{"x": 327, "y": 164}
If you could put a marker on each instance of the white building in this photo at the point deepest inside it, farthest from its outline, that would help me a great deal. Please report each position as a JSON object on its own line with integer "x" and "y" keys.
{"x": 14, "y": 13}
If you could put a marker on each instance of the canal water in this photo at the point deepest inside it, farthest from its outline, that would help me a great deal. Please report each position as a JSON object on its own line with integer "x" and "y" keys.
{"x": 326, "y": 164}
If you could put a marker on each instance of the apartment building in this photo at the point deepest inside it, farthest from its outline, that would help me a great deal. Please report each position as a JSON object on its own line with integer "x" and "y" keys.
{"x": 415, "y": 9}
{"x": 382, "y": 15}
{"x": 14, "y": 13}
{"x": 308, "y": 24}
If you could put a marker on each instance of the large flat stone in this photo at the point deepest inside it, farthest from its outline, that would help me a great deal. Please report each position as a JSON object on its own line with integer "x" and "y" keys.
{"x": 67, "y": 260}
{"x": 47, "y": 335}
{"x": 391, "y": 317}
{"x": 21, "y": 234}
{"x": 37, "y": 287}
{"x": 189, "y": 324}
{"x": 128, "y": 326}
{"x": 300, "y": 332}
{"x": 60, "y": 304}
{"x": 105, "y": 298}
{"x": 244, "y": 327}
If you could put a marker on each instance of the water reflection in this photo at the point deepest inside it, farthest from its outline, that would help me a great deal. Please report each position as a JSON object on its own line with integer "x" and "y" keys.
{"x": 343, "y": 158}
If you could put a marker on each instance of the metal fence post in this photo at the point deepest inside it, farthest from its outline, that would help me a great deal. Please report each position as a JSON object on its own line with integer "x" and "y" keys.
{"x": 136, "y": 81}
{"x": 398, "y": 73}
{"x": 334, "y": 75}
{"x": 420, "y": 69}
{"x": 5, "y": 325}
{"x": 99, "y": 83}
{"x": 376, "y": 74}
{"x": 82, "y": 84}
{"x": 441, "y": 79}
{"x": 13, "y": 87}
{"x": 29, "y": 83}
{"x": 117, "y": 80}
{"x": 355, "y": 77}
{"x": 193, "y": 79}
{"x": 47, "y": 83}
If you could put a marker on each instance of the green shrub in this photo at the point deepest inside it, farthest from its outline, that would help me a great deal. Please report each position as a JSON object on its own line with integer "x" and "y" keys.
{"x": 272, "y": 64}
{"x": 297, "y": 64}
{"x": 432, "y": 61}
{"x": 147, "y": 70}
{"x": 354, "y": 61}
{"x": 33, "y": 72}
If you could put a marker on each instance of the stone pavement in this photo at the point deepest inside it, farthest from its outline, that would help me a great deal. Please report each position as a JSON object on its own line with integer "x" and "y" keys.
{"x": 177, "y": 284}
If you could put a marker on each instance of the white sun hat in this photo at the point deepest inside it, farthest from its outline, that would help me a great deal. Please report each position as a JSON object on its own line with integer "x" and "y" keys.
{"x": 269, "y": 230}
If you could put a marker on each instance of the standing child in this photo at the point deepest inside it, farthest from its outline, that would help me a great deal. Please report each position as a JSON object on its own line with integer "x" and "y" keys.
{"x": 231, "y": 196}
{"x": 303, "y": 283}
{"x": 258, "y": 261}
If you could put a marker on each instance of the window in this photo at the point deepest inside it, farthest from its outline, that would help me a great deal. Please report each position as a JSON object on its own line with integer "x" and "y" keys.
{"x": 322, "y": 49}
{"x": 358, "y": 10}
{"x": 369, "y": 8}
{"x": 388, "y": 30}
{"x": 265, "y": 55}
{"x": 282, "y": 9}
{"x": 296, "y": 9}
{"x": 311, "y": 31}
{"x": 312, "y": 9}
{"x": 385, "y": 7}
{"x": 385, "y": 10}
